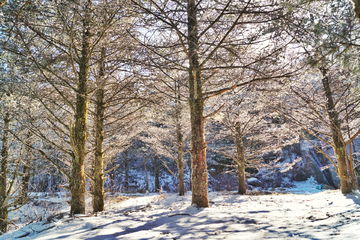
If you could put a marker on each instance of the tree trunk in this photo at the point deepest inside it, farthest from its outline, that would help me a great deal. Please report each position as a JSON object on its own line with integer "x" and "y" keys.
{"x": 157, "y": 175}
{"x": 98, "y": 191}
{"x": 3, "y": 174}
{"x": 146, "y": 178}
{"x": 25, "y": 183}
{"x": 26, "y": 172}
{"x": 357, "y": 172}
{"x": 180, "y": 163}
{"x": 198, "y": 146}
{"x": 180, "y": 166}
{"x": 339, "y": 149}
{"x": 342, "y": 168}
{"x": 350, "y": 157}
{"x": 126, "y": 172}
{"x": 356, "y": 5}
{"x": 179, "y": 140}
{"x": 77, "y": 178}
{"x": 112, "y": 181}
{"x": 241, "y": 160}
{"x": 357, "y": 168}
{"x": 351, "y": 168}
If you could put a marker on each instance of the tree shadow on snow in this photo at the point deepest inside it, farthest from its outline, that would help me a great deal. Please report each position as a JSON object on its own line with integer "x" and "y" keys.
{"x": 189, "y": 226}
{"x": 354, "y": 196}
{"x": 191, "y": 223}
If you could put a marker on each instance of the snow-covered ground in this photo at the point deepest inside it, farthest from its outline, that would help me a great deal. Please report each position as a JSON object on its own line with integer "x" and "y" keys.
{"x": 304, "y": 213}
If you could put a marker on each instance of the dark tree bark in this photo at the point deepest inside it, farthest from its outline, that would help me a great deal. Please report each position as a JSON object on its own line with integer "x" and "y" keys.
{"x": 357, "y": 168}
{"x": 180, "y": 163}
{"x": 25, "y": 183}
{"x": 357, "y": 172}
{"x": 199, "y": 174}
{"x": 4, "y": 214}
{"x": 180, "y": 166}
{"x": 126, "y": 165}
{"x": 179, "y": 140}
{"x": 146, "y": 177}
{"x": 78, "y": 136}
{"x": 351, "y": 156}
{"x": 98, "y": 191}
{"x": 351, "y": 169}
{"x": 26, "y": 172}
{"x": 356, "y": 5}
{"x": 240, "y": 160}
{"x": 339, "y": 149}
{"x": 157, "y": 174}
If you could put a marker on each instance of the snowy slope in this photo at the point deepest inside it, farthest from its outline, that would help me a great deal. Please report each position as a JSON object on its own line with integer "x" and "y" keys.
{"x": 322, "y": 215}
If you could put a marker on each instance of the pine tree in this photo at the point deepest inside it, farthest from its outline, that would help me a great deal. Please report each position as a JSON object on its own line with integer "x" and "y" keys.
{"x": 211, "y": 43}
{"x": 327, "y": 97}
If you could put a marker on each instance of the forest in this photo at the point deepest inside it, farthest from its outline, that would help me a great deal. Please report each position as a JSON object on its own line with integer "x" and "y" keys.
{"x": 123, "y": 96}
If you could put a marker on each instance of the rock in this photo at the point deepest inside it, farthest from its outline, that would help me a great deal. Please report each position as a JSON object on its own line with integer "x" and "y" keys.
{"x": 249, "y": 187}
{"x": 141, "y": 191}
{"x": 272, "y": 181}
{"x": 327, "y": 187}
{"x": 314, "y": 164}
{"x": 254, "y": 182}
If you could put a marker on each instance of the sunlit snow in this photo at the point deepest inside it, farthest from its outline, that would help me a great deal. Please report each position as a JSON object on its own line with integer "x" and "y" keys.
{"x": 302, "y": 212}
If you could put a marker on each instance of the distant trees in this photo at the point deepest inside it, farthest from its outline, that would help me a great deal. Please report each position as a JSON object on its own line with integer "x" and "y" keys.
{"x": 253, "y": 126}
{"x": 116, "y": 105}
{"x": 181, "y": 136}
{"x": 115, "y": 112}
{"x": 168, "y": 131}
{"x": 14, "y": 171}
{"x": 8, "y": 164}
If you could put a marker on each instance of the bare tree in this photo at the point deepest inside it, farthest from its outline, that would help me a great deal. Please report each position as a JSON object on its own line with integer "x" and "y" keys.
{"x": 217, "y": 44}
{"x": 168, "y": 133}
{"x": 327, "y": 99}
{"x": 117, "y": 109}
{"x": 255, "y": 129}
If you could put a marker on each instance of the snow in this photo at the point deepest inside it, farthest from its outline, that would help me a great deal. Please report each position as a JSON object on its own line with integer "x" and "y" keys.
{"x": 252, "y": 180}
{"x": 303, "y": 212}
{"x": 305, "y": 187}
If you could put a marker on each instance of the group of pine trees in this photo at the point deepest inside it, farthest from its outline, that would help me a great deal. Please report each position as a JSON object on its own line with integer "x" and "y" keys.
{"x": 80, "y": 78}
